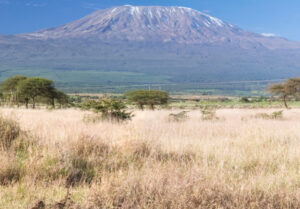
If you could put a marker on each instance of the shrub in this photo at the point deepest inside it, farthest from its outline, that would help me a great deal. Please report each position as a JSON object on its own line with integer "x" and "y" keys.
{"x": 11, "y": 172}
{"x": 245, "y": 100}
{"x": 81, "y": 171}
{"x": 208, "y": 113}
{"x": 110, "y": 109}
{"x": 179, "y": 117}
{"x": 9, "y": 131}
{"x": 274, "y": 115}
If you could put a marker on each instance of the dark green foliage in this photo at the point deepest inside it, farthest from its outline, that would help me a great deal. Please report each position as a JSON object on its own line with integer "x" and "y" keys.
{"x": 30, "y": 88}
{"x": 244, "y": 99}
{"x": 56, "y": 95}
{"x": 61, "y": 97}
{"x": 9, "y": 89}
{"x": 110, "y": 109}
{"x": 20, "y": 89}
{"x": 148, "y": 97}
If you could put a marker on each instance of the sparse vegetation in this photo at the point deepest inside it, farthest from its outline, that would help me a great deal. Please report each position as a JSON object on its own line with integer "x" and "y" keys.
{"x": 178, "y": 117}
{"x": 209, "y": 113}
{"x": 9, "y": 131}
{"x": 150, "y": 162}
{"x": 273, "y": 115}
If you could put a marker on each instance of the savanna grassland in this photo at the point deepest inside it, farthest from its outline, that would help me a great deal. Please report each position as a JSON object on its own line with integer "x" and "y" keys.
{"x": 236, "y": 159}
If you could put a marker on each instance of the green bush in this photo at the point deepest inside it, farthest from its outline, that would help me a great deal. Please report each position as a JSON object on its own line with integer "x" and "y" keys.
{"x": 147, "y": 97}
{"x": 19, "y": 90}
{"x": 245, "y": 100}
{"x": 110, "y": 109}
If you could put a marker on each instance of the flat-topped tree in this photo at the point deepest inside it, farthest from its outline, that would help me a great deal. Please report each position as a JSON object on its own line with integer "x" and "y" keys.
{"x": 294, "y": 85}
{"x": 31, "y": 88}
{"x": 290, "y": 87}
{"x": 147, "y": 97}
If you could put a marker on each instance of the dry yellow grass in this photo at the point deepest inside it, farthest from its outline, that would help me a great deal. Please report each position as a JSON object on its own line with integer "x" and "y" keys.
{"x": 238, "y": 161}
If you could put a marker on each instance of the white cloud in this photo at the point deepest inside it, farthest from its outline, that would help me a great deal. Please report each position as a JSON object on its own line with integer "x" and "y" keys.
{"x": 269, "y": 34}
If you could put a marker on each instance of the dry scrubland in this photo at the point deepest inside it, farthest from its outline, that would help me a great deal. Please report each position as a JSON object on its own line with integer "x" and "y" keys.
{"x": 236, "y": 162}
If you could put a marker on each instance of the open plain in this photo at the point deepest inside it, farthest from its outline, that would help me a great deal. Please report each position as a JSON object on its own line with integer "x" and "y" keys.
{"x": 237, "y": 159}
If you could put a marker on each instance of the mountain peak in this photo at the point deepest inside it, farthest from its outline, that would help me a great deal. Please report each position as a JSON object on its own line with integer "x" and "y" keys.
{"x": 179, "y": 43}
{"x": 156, "y": 23}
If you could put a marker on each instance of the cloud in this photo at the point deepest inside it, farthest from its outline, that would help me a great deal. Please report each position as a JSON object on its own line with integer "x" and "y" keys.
{"x": 269, "y": 34}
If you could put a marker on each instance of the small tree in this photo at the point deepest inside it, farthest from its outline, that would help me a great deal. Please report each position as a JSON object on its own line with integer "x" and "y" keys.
{"x": 9, "y": 88}
{"x": 54, "y": 95}
{"x": 290, "y": 87}
{"x": 110, "y": 109}
{"x": 31, "y": 88}
{"x": 61, "y": 97}
{"x": 145, "y": 97}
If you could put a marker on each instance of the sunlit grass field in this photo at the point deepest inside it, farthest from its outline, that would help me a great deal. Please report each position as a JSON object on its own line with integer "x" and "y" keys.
{"x": 236, "y": 160}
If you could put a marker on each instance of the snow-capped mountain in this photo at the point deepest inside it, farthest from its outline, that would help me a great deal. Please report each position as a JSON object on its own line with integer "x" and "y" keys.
{"x": 143, "y": 23}
{"x": 155, "y": 23}
{"x": 177, "y": 43}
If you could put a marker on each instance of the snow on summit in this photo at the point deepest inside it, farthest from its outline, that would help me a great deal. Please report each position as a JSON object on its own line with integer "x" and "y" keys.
{"x": 154, "y": 23}
{"x": 140, "y": 23}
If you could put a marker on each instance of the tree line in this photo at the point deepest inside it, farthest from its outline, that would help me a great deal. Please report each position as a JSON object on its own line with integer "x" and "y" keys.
{"x": 22, "y": 90}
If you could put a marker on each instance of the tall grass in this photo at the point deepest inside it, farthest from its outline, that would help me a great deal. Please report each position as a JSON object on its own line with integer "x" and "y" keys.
{"x": 241, "y": 161}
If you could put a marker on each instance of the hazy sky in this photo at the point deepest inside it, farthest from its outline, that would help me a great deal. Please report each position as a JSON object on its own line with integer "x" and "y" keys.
{"x": 280, "y": 17}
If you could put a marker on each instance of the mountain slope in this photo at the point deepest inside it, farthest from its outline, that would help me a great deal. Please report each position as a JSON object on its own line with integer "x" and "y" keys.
{"x": 164, "y": 44}
{"x": 160, "y": 24}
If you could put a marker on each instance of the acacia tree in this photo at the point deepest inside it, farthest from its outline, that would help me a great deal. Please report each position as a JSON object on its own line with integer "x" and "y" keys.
{"x": 31, "y": 88}
{"x": 9, "y": 88}
{"x": 54, "y": 95}
{"x": 20, "y": 89}
{"x": 146, "y": 97}
{"x": 61, "y": 97}
{"x": 290, "y": 87}
{"x": 110, "y": 109}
